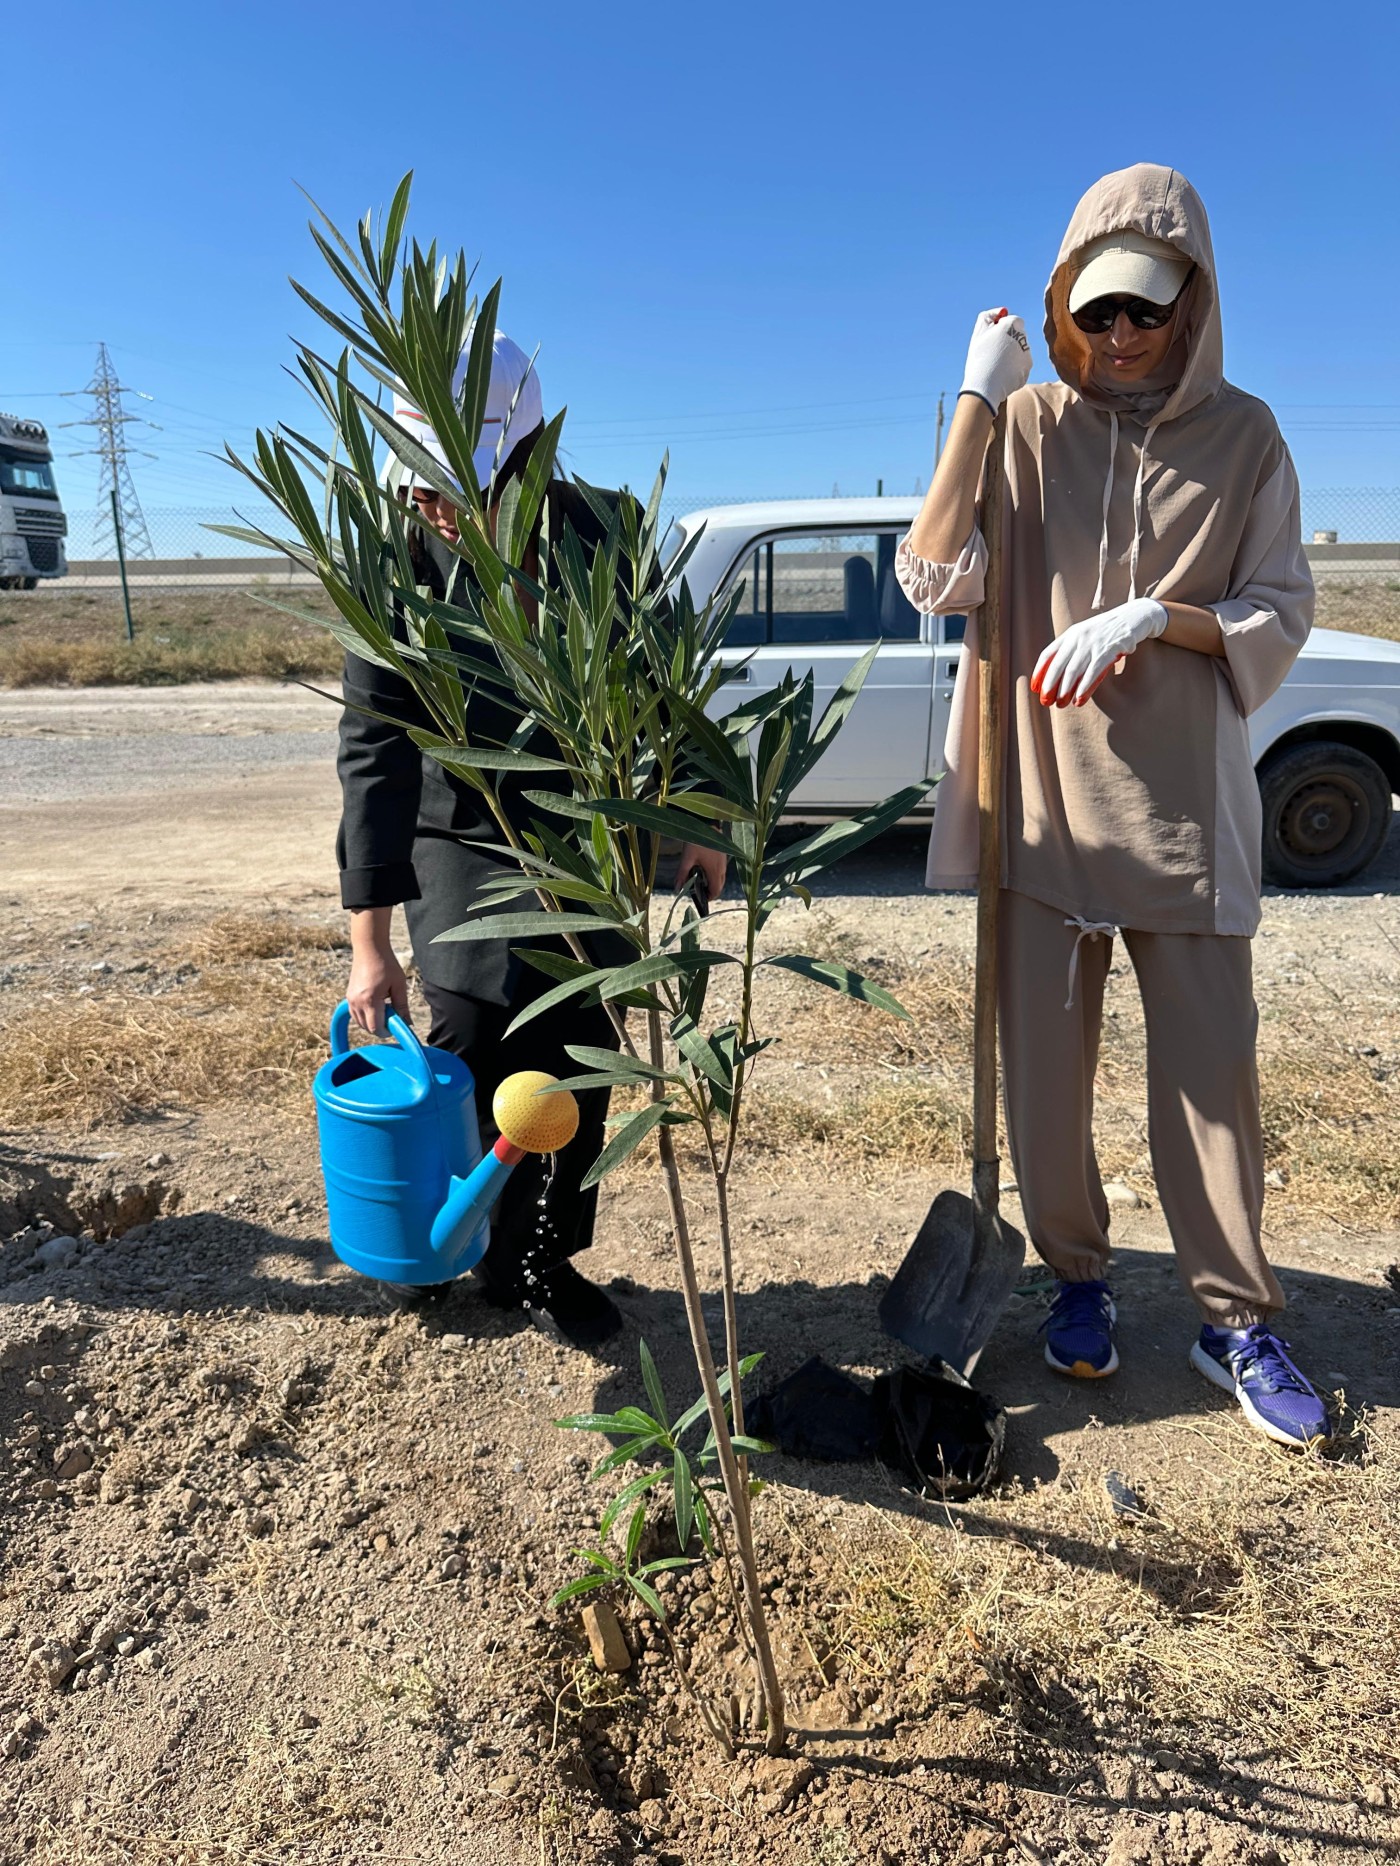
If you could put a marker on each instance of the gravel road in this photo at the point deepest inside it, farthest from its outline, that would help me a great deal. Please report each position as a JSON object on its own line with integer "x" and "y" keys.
{"x": 262, "y": 756}
{"x": 62, "y": 745}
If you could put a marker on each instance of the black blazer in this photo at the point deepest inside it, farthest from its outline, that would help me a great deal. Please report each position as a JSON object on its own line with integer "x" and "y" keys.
{"x": 407, "y": 824}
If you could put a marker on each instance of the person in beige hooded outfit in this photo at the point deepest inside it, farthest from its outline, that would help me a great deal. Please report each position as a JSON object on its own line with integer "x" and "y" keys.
{"x": 1152, "y": 528}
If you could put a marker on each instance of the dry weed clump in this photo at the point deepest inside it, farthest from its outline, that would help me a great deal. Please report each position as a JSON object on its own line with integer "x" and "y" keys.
{"x": 1369, "y": 606}
{"x": 1258, "y": 1616}
{"x": 249, "y": 1027}
{"x": 113, "y": 1058}
{"x": 234, "y": 939}
{"x": 1331, "y": 1106}
{"x": 213, "y": 654}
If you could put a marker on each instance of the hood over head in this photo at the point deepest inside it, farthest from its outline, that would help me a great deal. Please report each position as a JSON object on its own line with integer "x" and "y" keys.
{"x": 1160, "y": 204}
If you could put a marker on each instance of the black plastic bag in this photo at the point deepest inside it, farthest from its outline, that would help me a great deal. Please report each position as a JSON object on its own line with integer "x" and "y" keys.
{"x": 928, "y": 1423}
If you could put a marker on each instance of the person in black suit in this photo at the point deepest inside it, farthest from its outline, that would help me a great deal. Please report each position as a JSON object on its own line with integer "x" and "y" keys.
{"x": 407, "y": 836}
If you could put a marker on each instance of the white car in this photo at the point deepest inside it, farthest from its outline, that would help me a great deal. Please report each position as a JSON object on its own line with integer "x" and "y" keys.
{"x": 819, "y": 588}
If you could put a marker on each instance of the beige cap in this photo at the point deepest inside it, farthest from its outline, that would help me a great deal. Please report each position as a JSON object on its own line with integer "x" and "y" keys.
{"x": 1130, "y": 265}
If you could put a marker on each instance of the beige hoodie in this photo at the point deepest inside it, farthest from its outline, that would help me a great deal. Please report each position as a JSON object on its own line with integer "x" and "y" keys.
{"x": 1140, "y": 809}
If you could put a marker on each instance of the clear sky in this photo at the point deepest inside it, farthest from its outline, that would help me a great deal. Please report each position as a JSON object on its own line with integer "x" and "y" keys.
{"x": 756, "y": 234}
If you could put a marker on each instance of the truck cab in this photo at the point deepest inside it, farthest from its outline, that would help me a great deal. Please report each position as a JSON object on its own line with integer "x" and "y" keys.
{"x": 32, "y": 524}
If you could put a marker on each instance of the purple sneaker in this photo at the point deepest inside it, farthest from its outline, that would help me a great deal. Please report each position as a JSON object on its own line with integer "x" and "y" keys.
{"x": 1252, "y": 1364}
{"x": 1079, "y": 1330}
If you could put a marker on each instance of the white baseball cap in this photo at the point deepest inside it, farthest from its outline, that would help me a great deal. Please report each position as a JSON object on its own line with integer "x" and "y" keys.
{"x": 1129, "y": 265}
{"x": 513, "y": 380}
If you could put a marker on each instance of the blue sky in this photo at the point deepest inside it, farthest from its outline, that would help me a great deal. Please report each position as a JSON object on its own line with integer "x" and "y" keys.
{"x": 757, "y": 234}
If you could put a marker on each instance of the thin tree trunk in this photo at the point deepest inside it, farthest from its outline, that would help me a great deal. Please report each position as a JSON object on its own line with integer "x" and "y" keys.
{"x": 735, "y": 1488}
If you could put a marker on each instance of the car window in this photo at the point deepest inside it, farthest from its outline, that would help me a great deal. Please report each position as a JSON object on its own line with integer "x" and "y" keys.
{"x": 823, "y": 587}
{"x": 749, "y": 629}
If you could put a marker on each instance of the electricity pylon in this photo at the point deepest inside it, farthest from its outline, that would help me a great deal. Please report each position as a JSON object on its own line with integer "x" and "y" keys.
{"x": 116, "y": 495}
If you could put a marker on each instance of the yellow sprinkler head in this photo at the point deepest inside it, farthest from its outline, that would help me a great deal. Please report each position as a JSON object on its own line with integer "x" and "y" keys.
{"x": 534, "y": 1122}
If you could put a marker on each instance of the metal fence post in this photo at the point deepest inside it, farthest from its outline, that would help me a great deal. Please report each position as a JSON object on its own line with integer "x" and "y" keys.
{"x": 121, "y": 564}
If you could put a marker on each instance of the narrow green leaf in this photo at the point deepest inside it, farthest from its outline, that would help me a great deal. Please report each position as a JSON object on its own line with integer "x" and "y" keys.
{"x": 592, "y": 1422}
{"x": 647, "y": 1595}
{"x": 586, "y": 1584}
{"x": 664, "y": 820}
{"x": 481, "y": 757}
{"x": 685, "y": 1507}
{"x": 651, "y": 1380}
{"x": 637, "y": 1488}
{"x": 635, "y": 1530}
{"x": 521, "y": 926}
{"x": 625, "y": 1141}
{"x": 608, "y": 1059}
{"x": 837, "y": 977}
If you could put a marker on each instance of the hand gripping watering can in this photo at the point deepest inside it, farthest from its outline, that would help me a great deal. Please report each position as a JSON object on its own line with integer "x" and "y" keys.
{"x": 408, "y": 1191}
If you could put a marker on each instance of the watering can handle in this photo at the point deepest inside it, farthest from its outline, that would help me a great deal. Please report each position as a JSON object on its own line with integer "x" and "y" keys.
{"x": 402, "y": 1033}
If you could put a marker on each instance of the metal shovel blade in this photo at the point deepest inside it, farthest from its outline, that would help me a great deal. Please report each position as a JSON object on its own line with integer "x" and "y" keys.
{"x": 954, "y": 1282}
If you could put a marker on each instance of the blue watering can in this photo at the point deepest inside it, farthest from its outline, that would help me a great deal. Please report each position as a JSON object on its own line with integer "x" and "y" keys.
{"x": 407, "y": 1189}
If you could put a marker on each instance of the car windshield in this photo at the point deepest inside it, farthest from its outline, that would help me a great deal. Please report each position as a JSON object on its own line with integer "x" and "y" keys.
{"x": 25, "y": 473}
{"x": 671, "y": 543}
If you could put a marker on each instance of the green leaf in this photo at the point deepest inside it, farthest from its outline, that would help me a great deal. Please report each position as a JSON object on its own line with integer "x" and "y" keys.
{"x": 702, "y": 1520}
{"x": 623, "y": 1454}
{"x": 697, "y": 1411}
{"x": 625, "y": 1141}
{"x": 593, "y": 1422}
{"x": 619, "y": 1059}
{"x": 633, "y": 1419}
{"x": 751, "y": 1447}
{"x": 665, "y": 820}
{"x": 651, "y": 1380}
{"x": 837, "y": 711}
{"x": 520, "y": 926}
{"x": 685, "y": 1507}
{"x": 697, "y": 1049}
{"x": 837, "y": 977}
{"x": 635, "y": 1530}
{"x": 586, "y": 1584}
{"x": 658, "y": 966}
{"x": 832, "y": 843}
{"x": 637, "y": 1488}
{"x": 648, "y": 1596}
{"x": 481, "y": 757}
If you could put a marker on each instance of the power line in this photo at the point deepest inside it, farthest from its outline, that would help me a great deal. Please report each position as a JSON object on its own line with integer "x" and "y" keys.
{"x": 116, "y": 494}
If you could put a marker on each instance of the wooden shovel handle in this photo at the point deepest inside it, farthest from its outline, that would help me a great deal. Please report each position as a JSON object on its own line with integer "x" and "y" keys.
{"x": 990, "y": 780}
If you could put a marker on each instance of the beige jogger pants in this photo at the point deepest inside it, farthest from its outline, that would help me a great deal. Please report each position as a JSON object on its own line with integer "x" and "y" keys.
{"x": 1203, "y": 1100}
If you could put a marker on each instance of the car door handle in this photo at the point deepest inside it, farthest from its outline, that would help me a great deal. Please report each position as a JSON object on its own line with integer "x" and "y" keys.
{"x": 740, "y": 673}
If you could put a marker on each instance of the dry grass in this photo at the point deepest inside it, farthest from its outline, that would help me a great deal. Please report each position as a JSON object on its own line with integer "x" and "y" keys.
{"x": 1253, "y": 1609}
{"x": 1370, "y": 606}
{"x": 235, "y": 939}
{"x": 221, "y": 654}
{"x": 80, "y": 641}
{"x": 873, "y": 1093}
{"x": 902, "y": 1092}
{"x": 250, "y": 1027}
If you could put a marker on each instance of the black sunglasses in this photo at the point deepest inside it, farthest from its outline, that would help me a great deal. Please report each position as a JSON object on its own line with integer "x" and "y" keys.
{"x": 1101, "y": 314}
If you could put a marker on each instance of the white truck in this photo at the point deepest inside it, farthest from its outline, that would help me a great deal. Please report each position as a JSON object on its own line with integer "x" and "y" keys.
{"x": 819, "y": 588}
{"x": 32, "y": 524}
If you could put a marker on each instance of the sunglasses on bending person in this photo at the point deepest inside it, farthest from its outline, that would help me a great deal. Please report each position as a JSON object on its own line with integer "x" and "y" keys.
{"x": 1101, "y": 314}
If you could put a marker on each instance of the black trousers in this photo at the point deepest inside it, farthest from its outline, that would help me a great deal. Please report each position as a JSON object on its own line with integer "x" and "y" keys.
{"x": 539, "y": 1219}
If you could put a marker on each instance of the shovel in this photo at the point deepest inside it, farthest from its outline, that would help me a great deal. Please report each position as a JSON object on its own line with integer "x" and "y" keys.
{"x": 964, "y": 1263}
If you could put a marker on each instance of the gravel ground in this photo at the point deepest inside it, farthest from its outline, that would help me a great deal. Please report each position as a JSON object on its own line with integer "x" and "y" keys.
{"x": 276, "y": 1557}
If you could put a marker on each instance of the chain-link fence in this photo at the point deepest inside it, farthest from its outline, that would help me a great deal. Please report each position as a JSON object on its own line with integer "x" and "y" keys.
{"x": 1351, "y": 533}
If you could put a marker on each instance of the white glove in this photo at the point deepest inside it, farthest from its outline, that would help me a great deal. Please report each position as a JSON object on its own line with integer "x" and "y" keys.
{"x": 998, "y": 358}
{"x": 1073, "y": 665}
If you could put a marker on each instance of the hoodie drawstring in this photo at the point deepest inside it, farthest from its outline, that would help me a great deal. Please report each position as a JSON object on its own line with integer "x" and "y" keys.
{"x": 1088, "y": 929}
{"x": 1107, "y": 500}
{"x": 1137, "y": 509}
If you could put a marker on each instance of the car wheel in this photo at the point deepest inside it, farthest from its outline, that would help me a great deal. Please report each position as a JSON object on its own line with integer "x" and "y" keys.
{"x": 27, "y": 583}
{"x": 1326, "y": 814}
